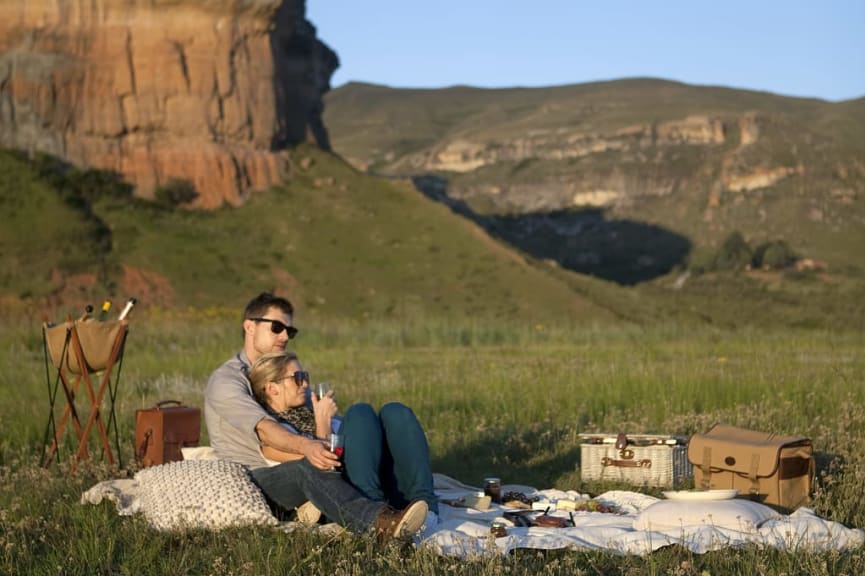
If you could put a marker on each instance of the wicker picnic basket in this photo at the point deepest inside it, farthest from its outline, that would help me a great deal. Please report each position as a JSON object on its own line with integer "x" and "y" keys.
{"x": 639, "y": 459}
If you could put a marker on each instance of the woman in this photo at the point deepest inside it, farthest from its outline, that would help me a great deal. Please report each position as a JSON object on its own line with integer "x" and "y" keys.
{"x": 386, "y": 454}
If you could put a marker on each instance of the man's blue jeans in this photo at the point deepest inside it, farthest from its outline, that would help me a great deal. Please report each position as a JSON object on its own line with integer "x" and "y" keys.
{"x": 290, "y": 484}
{"x": 387, "y": 455}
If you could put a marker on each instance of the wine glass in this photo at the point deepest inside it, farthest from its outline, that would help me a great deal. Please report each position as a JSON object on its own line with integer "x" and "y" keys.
{"x": 337, "y": 446}
{"x": 322, "y": 388}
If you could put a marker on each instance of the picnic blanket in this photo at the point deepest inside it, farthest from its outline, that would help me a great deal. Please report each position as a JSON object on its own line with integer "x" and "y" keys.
{"x": 640, "y": 525}
{"x": 216, "y": 494}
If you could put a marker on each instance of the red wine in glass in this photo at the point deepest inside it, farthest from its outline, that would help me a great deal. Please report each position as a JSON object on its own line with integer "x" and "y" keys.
{"x": 337, "y": 445}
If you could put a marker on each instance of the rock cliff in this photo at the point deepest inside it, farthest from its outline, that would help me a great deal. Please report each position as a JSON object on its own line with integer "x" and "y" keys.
{"x": 209, "y": 91}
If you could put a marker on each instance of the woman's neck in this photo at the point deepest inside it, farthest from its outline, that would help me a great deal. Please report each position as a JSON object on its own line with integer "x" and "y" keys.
{"x": 276, "y": 406}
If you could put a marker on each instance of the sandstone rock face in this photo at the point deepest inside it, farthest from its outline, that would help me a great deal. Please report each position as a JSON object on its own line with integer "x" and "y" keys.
{"x": 760, "y": 177}
{"x": 462, "y": 155}
{"x": 210, "y": 91}
{"x": 607, "y": 188}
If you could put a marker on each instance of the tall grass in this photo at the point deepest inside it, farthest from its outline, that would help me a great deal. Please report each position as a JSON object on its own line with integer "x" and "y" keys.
{"x": 499, "y": 398}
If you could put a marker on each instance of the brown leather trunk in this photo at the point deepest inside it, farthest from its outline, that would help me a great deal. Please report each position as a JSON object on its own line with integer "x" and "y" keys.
{"x": 161, "y": 431}
{"x": 772, "y": 469}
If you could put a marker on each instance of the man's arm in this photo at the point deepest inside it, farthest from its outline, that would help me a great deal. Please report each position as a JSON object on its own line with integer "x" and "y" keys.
{"x": 272, "y": 434}
{"x": 275, "y": 455}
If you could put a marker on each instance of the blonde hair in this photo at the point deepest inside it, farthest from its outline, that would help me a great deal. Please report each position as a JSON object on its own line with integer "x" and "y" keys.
{"x": 269, "y": 368}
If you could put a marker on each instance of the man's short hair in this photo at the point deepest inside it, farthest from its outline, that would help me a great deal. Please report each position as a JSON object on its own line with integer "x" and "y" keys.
{"x": 259, "y": 305}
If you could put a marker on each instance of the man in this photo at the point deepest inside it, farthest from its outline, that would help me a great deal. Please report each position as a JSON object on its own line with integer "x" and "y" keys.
{"x": 238, "y": 426}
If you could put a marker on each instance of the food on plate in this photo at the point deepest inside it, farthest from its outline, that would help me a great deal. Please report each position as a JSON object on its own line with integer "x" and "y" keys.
{"x": 520, "y": 496}
{"x": 478, "y": 501}
{"x": 516, "y": 504}
{"x": 550, "y": 521}
{"x": 588, "y": 506}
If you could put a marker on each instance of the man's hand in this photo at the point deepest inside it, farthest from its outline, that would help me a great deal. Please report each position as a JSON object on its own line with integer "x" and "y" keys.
{"x": 319, "y": 455}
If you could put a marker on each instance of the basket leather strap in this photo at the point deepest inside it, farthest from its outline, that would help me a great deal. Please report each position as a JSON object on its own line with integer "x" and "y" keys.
{"x": 643, "y": 463}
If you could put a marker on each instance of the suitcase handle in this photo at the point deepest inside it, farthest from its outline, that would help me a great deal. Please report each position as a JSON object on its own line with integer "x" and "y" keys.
{"x": 162, "y": 403}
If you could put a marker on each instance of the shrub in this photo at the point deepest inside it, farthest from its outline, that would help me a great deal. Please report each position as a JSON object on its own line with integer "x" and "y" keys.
{"x": 701, "y": 260}
{"x": 734, "y": 253}
{"x": 175, "y": 192}
{"x": 775, "y": 254}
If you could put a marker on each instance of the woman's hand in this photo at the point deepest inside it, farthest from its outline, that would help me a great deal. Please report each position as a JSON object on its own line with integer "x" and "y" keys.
{"x": 324, "y": 408}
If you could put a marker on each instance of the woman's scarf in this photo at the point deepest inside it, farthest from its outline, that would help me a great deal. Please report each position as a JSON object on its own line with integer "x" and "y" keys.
{"x": 301, "y": 418}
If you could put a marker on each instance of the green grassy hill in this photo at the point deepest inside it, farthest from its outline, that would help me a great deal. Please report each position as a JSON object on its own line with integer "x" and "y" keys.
{"x": 348, "y": 245}
{"x": 339, "y": 243}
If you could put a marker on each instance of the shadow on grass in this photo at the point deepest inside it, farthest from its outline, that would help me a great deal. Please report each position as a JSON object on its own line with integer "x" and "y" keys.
{"x": 828, "y": 463}
{"x": 539, "y": 456}
{"x": 582, "y": 240}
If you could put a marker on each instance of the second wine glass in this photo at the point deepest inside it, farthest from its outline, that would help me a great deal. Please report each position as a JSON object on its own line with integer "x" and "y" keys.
{"x": 321, "y": 389}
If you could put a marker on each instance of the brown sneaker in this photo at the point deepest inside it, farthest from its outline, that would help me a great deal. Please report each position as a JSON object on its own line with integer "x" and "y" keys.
{"x": 403, "y": 523}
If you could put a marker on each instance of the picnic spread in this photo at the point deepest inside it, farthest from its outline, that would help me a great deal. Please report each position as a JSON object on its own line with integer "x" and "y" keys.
{"x": 214, "y": 494}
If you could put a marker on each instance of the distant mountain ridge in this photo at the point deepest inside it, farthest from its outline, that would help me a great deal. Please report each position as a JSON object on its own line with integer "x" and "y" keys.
{"x": 698, "y": 162}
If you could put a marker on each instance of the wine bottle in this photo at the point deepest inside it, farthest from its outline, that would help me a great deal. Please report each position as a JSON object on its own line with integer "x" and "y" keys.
{"x": 125, "y": 312}
{"x": 103, "y": 314}
{"x": 88, "y": 310}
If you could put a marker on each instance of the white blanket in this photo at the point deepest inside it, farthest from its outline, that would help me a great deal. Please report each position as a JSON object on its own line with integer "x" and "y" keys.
{"x": 643, "y": 524}
{"x": 464, "y": 531}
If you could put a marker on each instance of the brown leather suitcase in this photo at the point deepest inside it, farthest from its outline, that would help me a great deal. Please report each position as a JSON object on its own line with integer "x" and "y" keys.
{"x": 161, "y": 431}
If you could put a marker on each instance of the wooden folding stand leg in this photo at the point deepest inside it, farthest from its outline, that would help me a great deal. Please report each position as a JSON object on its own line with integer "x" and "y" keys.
{"x": 53, "y": 431}
{"x": 74, "y": 371}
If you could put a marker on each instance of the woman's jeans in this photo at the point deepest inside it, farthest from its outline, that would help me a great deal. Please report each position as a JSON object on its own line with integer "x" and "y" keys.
{"x": 386, "y": 455}
{"x": 290, "y": 484}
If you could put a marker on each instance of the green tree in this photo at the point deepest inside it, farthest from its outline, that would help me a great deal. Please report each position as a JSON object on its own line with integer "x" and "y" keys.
{"x": 175, "y": 192}
{"x": 775, "y": 255}
{"x": 734, "y": 253}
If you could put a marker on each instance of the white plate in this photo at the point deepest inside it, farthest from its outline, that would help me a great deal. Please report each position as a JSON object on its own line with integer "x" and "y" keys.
{"x": 701, "y": 494}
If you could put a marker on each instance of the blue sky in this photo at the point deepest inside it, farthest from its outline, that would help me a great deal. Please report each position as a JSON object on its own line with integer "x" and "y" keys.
{"x": 792, "y": 47}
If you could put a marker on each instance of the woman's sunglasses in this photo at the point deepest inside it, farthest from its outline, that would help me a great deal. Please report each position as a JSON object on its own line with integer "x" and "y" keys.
{"x": 299, "y": 377}
{"x": 277, "y": 327}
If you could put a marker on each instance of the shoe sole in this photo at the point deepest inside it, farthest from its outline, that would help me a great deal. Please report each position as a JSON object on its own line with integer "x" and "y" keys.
{"x": 412, "y": 520}
{"x": 307, "y": 513}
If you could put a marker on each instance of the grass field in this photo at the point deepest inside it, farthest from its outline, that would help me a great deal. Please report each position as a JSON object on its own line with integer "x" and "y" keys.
{"x": 495, "y": 398}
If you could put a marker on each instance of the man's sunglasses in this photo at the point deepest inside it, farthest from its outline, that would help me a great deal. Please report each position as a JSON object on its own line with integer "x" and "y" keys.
{"x": 299, "y": 377}
{"x": 277, "y": 327}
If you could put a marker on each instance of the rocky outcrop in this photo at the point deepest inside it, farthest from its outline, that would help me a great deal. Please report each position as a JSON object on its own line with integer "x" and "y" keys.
{"x": 210, "y": 91}
{"x": 463, "y": 155}
{"x": 730, "y": 138}
{"x": 760, "y": 177}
